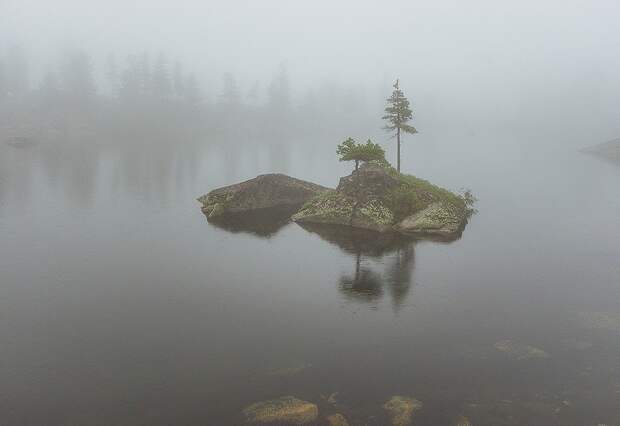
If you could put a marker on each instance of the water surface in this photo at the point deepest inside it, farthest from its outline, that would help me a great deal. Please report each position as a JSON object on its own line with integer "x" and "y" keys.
{"x": 121, "y": 304}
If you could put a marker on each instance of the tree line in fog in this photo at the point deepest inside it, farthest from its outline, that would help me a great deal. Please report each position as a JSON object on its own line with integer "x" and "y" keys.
{"x": 146, "y": 92}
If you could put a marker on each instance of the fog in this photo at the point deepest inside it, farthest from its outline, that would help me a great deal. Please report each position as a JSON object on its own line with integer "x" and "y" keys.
{"x": 476, "y": 285}
{"x": 529, "y": 67}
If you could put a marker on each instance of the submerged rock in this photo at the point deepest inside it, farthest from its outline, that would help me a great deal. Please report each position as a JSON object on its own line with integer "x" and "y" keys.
{"x": 337, "y": 420}
{"x": 520, "y": 351}
{"x": 542, "y": 411}
{"x": 287, "y": 409}
{"x": 288, "y": 370}
{"x": 331, "y": 398}
{"x": 463, "y": 421}
{"x": 600, "y": 320}
{"x": 262, "y": 192}
{"x": 401, "y": 409}
{"x": 576, "y": 344}
{"x": 438, "y": 218}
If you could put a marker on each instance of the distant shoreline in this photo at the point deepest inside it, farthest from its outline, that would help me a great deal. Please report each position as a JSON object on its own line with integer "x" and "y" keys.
{"x": 609, "y": 150}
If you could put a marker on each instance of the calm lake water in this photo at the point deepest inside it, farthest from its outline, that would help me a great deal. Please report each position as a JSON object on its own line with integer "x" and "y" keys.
{"x": 120, "y": 304}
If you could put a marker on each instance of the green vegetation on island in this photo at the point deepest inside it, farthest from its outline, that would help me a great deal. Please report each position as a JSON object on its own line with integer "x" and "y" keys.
{"x": 351, "y": 151}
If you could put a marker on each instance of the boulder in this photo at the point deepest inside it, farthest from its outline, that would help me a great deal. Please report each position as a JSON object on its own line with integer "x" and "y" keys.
{"x": 359, "y": 201}
{"x": 401, "y": 409}
{"x": 440, "y": 219}
{"x": 287, "y": 409}
{"x": 337, "y": 420}
{"x": 262, "y": 192}
{"x": 369, "y": 182}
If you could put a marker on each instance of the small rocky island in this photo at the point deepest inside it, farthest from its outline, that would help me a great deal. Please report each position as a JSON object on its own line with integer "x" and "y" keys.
{"x": 375, "y": 197}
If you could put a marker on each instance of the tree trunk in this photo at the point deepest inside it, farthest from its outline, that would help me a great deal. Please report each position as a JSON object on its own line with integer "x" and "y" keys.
{"x": 398, "y": 149}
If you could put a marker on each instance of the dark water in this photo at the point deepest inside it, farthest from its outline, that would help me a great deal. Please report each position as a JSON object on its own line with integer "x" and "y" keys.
{"x": 120, "y": 304}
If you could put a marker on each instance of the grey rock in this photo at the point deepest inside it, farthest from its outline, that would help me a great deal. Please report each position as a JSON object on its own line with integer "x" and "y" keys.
{"x": 262, "y": 192}
{"x": 358, "y": 202}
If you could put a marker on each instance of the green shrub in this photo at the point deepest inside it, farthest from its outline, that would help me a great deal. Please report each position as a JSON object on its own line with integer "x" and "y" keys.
{"x": 403, "y": 201}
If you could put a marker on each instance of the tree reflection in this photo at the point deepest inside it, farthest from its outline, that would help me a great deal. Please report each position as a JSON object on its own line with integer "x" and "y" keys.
{"x": 382, "y": 262}
{"x": 364, "y": 285}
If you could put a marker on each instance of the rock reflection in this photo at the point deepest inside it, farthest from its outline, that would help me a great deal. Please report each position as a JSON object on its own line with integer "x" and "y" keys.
{"x": 263, "y": 223}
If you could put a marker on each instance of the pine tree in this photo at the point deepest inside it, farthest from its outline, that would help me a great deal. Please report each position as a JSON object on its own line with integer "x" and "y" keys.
{"x": 230, "y": 97}
{"x": 253, "y": 93}
{"x": 3, "y": 80}
{"x": 397, "y": 115}
{"x": 179, "y": 83}
{"x": 161, "y": 84}
{"x": 112, "y": 74}
{"x": 130, "y": 85}
{"x": 280, "y": 91}
{"x": 351, "y": 151}
{"x": 17, "y": 71}
{"x": 76, "y": 77}
{"x": 191, "y": 91}
{"x": 146, "y": 77}
{"x": 49, "y": 88}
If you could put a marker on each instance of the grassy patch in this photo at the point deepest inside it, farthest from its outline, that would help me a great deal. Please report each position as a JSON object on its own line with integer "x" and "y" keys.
{"x": 415, "y": 194}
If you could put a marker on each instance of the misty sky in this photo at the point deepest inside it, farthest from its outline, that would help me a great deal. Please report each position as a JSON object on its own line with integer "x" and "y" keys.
{"x": 506, "y": 57}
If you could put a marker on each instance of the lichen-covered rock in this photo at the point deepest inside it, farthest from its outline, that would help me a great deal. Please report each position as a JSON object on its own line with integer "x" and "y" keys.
{"x": 287, "y": 410}
{"x": 358, "y": 202}
{"x": 337, "y": 420}
{"x": 401, "y": 409}
{"x": 339, "y": 209}
{"x": 438, "y": 218}
{"x": 262, "y": 192}
{"x": 331, "y": 207}
{"x": 373, "y": 214}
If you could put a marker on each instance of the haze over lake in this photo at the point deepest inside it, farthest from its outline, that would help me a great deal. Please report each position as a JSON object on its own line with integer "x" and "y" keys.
{"x": 121, "y": 304}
